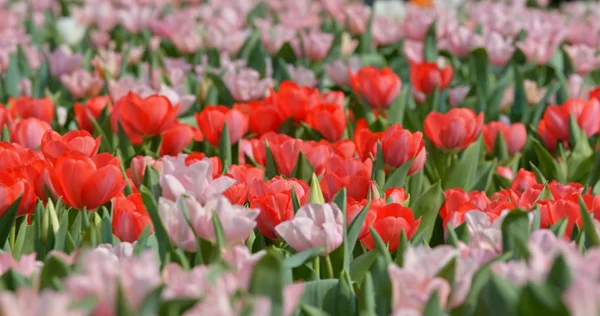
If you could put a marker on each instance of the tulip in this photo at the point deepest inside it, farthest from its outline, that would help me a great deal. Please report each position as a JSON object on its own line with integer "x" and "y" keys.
{"x": 354, "y": 208}
{"x": 274, "y": 199}
{"x": 63, "y": 61}
{"x": 329, "y": 120}
{"x": 130, "y": 217}
{"x": 245, "y": 84}
{"x": 365, "y": 140}
{"x": 175, "y": 222}
{"x": 344, "y": 148}
{"x": 514, "y": 135}
{"x": 554, "y": 126}
{"x": 54, "y": 145}
{"x": 313, "y": 45}
{"x": 396, "y": 195}
{"x": 456, "y": 129}
{"x": 333, "y": 97}
{"x": 29, "y": 132}
{"x": 26, "y": 107}
{"x": 355, "y": 18}
{"x": 524, "y": 180}
{"x": 92, "y": 109}
{"x": 12, "y": 155}
{"x": 212, "y": 119}
{"x": 583, "y": 58}
{"x": 5, "y": 117}
{"x": 339, "y": 71}
{"x": 142, "y": 118}
{"x": 85, "y": 182}
{"x": 386, "y": 30}
{"x": 264, "y": 118}
{"x": 457, "y": 95}
{"x": 565, "y": 191}
{"x": 215, "y": 162}
{"x": 458, "y": 203}
{"x": 273, "y": 36}
{"x": 10, "y": 190}
{"x": 286, "y": 155}
{"x": 505, "y": 172}
{"x": 195, "y": 180}
{"x": 82, "y": 84}
{"x": 237, "y": 221}
{"x": 426, "y": 77}
{"x": 296, "y": 101}
{"x": 391, "y": 220}
{"x": 500, "y": 50}
{"x": 318, "y": 154}
{"x": 137, "y": 168}
{"x": 351, "y": 173}
{"x": 70, "y": 30}
{"x": 552, "y": 211}
{"x": 175, "y": 139}
{"x": 302, "y": 76}
{"x": 378, "y": 87}
{"x": 244, "y": 175}
{"x": 315, "y": 225}
{"x": 400, "y": 145}
{"x": 461, "y": 41}
{"x": 27, "y": 302}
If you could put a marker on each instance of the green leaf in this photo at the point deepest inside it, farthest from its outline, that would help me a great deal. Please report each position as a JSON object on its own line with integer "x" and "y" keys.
{"x": 430, "y": 51}
{"x": 497, "y": 298}
{"x": 267, "y": 280}
{"x": 317, "y": 292}
{"x": 152, "y": 181}
{"x": 225, "y": 96}
{"x": 219, "y": 233}
{"x": 591, "y": 236}
{"x": 378, "y": 172}
{"x": 176, "y": 306}
{"x": 355, "y": 227}
{"x": 164, "y": 243}
{"x": 480, "y": 65}
{"x": 500, "y": 148}
{"x": 536, "y": 299}
{"x": 464, "y": 174}
{"x": 448, "y": 272}
{"x": 519, "y": 107}
{"x": 548, "y": 165}
{"x": 595, "y": 173}
{"x": 539, "y": 176}
{"x": 366, "y": 38}
{"x": 381, "y": 246}
{"x": 125, "y": 145}
{"x": 301, "y": 258}
{"x": 515, "y": 234}
{"x": 361, "y": 265}
{"x": 433, "y": 308}
{"x": 316, "y": 194}
{"x": 303, "y": 169}
{"x": 397, "y": 178}
{"x": 427, "y": 207}
{"x": 6, "y": 134}
{"x": 402, "y": 246}
{"x": 343, "y": 299}
{"x": 107, "y": 231}
{"x": 7, "y": 220}
{"x": 271, "y": 168}
{"x": 12, "y": 76}
{"x": 12, "y": 280}
{"x": 295, "y": 201}
{"x": 54, "y": 269}
{"x": 18, "y": 246}
{"x": 151, "y": 303}
{"x": 122, "y": 307}
{"x": 560, "y": 274}
{"x": 398, "y": 107}
{"x": 225, "y": 147}
{"x": 141, "y": 243}
{"x": 366, "y": 300}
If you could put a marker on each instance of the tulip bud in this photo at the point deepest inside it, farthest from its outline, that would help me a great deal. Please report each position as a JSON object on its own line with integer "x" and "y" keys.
{"x": 51, "y": 210}
{"x": 316, "y": 194}
{"x": 373, "y": 192}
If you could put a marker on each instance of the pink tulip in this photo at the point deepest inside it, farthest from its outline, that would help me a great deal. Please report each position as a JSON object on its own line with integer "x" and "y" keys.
{"x": 314, "y": 225}
{"x": 540, "y": 48}
{"x": 237, "y": 221}
{"x": 302, "y": 76}
{"x": 461, "y": 41}
{"x": 583, "y": 58}
{"x": 62, "y": 61}
{"x": 413, "y": 51}
{"x": 195, "y": 180}
{"x": 457, "y": 94}
{"x": 26, "y": 265}
{"x": 135, "y": 18}
{"x": 227, "y": 41}
{"x": 313, "y": 45}
{"x": 240, "y": 259}
{"x": 355, "y": 18}
{"x": 386, "y": 30}
{"x": 27, "y": 301}
{"x": 499, "y": 49}
{"x": 186, "y": 39}
{"x": 416, "y": 23}
{"x": 338, "y": 71}
{"x": 245, "y": 84}
{"x": 273, "y": 36}
{"x": 582, "y": 297}
{"x": 82, "y": 84}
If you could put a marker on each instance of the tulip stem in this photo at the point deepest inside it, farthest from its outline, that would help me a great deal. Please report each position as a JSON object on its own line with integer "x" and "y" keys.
{"x": 317, "y": 267}
{"x": 329, "y": 267}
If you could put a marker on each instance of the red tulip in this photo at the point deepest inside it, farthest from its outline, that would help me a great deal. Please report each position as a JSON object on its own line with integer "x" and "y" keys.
{"x": 456, "y": 129}
{"x": 379, "y": 87}
{"x": 92, "y": 109}
{"x": 212, "y": 119}
{"x": 505, "y": 172}
{"x": 350, "y": 173}
{"x": 244, "y": 175}
{"x": 137, "y": 168}
{"x": 595, "y": 94}
{"x": 333, "y": 97}
{"x": 274, "y": 199}
{"x": 13, "y": 155}
{"x": 514, "y": 135}
{"x": 391, "y": 220}
{"x": 286, "y": 155}
{"x": 26, "y": 107}
{"x": 175, "y": 139}
{"x": 54, "y": 145}
{"x": 10, "y": 190}
{"x": 259, "y": 145}
{"x": 5, "y": 117}
{"x": 354, "y": 208}
{"x": 142, "y": 118}
{"x": 130, "y": 217}
{"x": 365, "y": 140}
{"x": 265, "y": 118}
{"x": 329, "y": 120}
{"x": 318, "y": 154}
{"x": 400, "y": 145}
{"x": 397, "y": 195}
{"x": 554, "y": 126}
{"x": 552, "y": 211}
{"x": 296, "y": 101}
{"x": 458, "y": 203}
{"x": 344, "y": 148}
{"x": 29, "y": 132}
{"x": 426, "y": 77}
{"x": 524, "y": 180}
{"x": 86, "y": 182}
{"x": 565, "y": 191}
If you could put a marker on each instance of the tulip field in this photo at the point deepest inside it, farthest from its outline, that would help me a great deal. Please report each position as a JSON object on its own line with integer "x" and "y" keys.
{"x": 306, "y": 157}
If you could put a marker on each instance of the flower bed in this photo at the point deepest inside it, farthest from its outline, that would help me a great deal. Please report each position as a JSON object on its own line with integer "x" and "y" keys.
{"x": 299, "y": 158}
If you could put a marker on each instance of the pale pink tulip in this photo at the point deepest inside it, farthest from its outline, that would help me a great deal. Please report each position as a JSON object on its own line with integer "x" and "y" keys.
{"x": 246, "y": 85}
{"x": 26, "y": 265}
{"x": 315, "y": 225}
{"x": 303, "y": 76}
{"x": 313, "y": 45}
{"x": 242, "y": 260}
{"x": 82, "y": 84}
{"x": 108, "y": 61}
{"x": 227, "y": 41}
{"x": 412, "y": 290}
{"x": 187, "y": 39}
{"x": 461, "y": 41}
{"x": 413, "y": 51}
{"x": 178, "y": 96}
{"x": 540, "y": 48}
{"x": 62, "y": 61}
{"x": 27, "y": 302}
{"x": 457, "y": 94}
{"x": 583, "y": 297}
{"x": 274, "y": 36}
{"x": 355, "y": 18}
{"x": 338, "y": 71}
{"x": 499, "y": 49}
{"x": 584, "y": 58}
{"x": 173, "y": 217}
{"x": 195, "y": 180}
{"x": 416, "y": 23}
{"x": 386, "y": 31}
{"x": 136, "y": 18}
{"x": 582, "y": 32}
